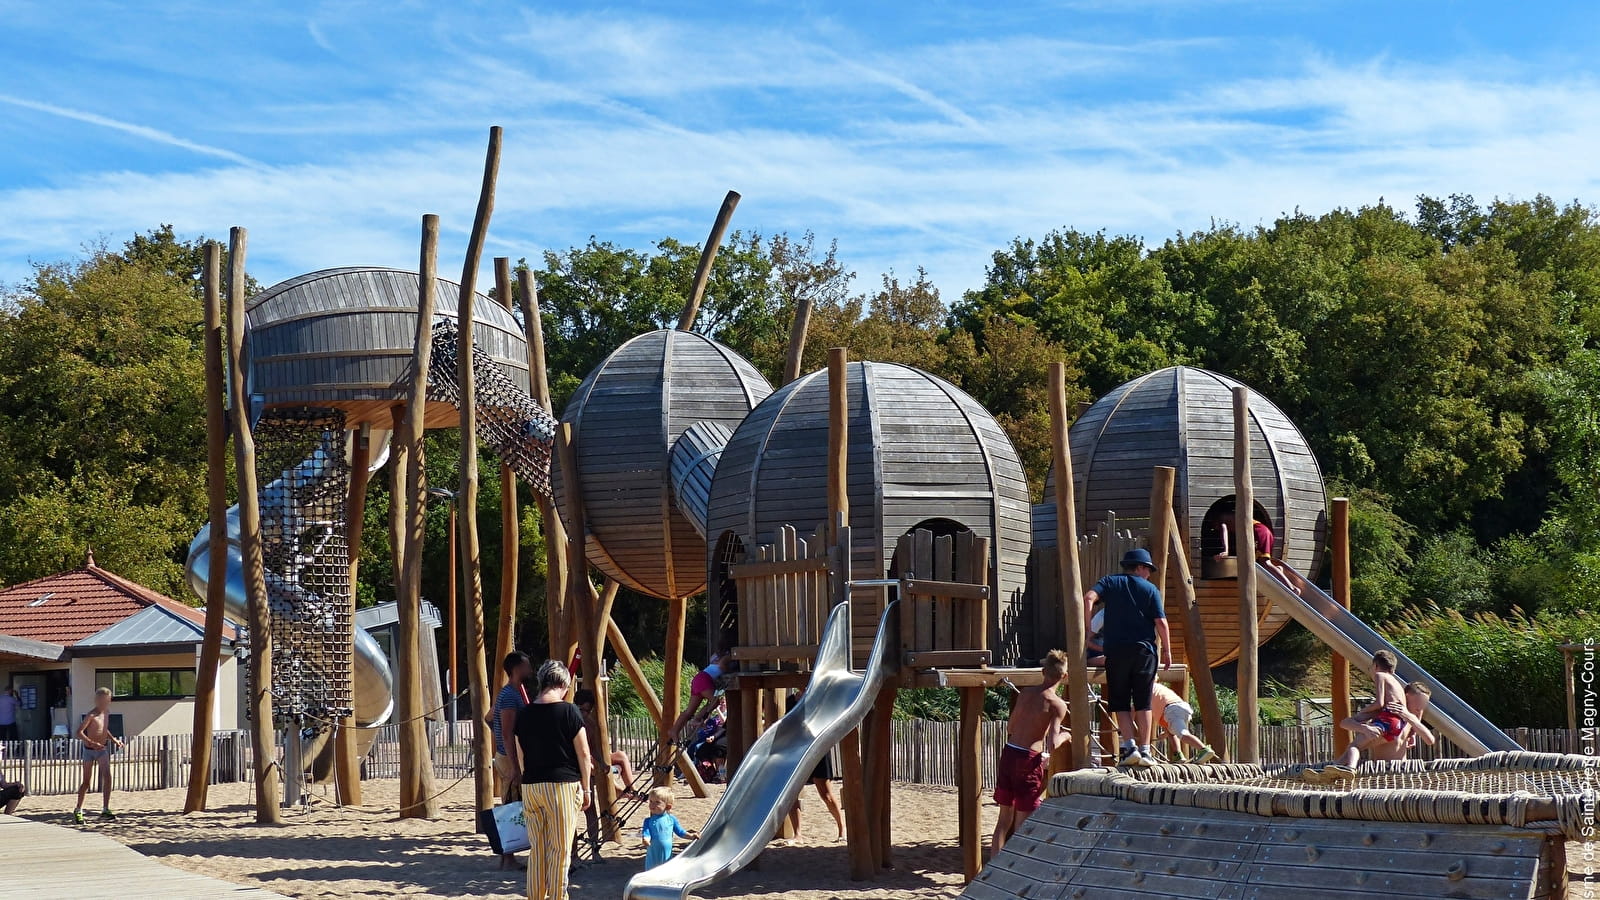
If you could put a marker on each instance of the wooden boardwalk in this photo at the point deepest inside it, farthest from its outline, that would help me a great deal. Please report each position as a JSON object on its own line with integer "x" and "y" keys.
{"x": 40, "y": 860}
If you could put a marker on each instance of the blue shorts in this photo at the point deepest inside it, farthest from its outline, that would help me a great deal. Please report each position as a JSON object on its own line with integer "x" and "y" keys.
{"x": 91, "y": 755}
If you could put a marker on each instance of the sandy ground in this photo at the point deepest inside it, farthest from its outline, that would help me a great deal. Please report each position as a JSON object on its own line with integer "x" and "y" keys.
{"x": 326, "y": 851}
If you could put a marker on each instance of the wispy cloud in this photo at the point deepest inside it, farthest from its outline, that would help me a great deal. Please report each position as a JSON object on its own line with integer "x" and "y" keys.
{"x": 139, "y": 131}
{"x": 931, "y": 152}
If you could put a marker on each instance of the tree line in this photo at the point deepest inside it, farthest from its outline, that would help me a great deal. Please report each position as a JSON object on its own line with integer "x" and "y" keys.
{"x": 1442, "y": 361}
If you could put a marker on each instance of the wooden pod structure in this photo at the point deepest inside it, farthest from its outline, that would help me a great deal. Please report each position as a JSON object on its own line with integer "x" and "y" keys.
{"x": 922, "y": 453}
{"x": 1183, "y": 417}
{"x": 627, "y": 416}
{"x": 342, "y": 338}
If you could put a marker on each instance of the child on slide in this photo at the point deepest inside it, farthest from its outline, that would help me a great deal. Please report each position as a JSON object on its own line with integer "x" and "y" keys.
{"x": 1384, "y": 720}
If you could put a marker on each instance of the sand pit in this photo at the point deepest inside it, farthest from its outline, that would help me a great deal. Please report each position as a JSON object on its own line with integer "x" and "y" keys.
{"x": 367, "y": 852}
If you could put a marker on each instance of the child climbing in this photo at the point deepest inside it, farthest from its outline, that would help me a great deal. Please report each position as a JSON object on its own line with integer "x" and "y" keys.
{"x": 1033, "y": 733}
{"x": 660, "y": 827}
{"x": 1175, "y": 714}
{"x": 1384, "y": 720}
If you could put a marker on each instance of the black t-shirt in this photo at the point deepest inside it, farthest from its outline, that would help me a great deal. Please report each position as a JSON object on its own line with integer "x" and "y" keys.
{"x": 544, "y": 735}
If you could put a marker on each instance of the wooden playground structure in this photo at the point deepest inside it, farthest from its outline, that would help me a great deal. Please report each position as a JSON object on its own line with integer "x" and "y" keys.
{"x": 676, "y": 468}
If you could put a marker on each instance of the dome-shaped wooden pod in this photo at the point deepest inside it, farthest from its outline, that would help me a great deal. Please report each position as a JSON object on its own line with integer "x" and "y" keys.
{"x": 343, "y": 338}
{"x": 920, "y": 451}
{"x": 1183, "y": 417}
{"x": 627, "y": 415}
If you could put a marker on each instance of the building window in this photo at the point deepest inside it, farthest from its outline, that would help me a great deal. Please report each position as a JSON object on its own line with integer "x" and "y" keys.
{"x": 146, "y": 684}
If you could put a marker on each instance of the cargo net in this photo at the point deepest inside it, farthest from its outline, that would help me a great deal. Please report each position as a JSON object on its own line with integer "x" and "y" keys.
{"x": 301, "y": 464}
{"x": 1552, "y": 791}
{"x": 508, "y": 420}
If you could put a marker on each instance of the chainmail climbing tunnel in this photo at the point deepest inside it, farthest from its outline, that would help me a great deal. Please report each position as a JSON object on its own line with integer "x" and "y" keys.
{"x": 300, "y": 462}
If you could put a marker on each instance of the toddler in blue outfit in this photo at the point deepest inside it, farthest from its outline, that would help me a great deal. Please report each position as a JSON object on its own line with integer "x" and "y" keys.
{"x": 660, "y": 827}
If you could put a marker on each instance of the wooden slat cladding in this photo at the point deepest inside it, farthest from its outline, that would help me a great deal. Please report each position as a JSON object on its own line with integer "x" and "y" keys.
{"x": 629, "y": 413}
{"x": 342, "y": 338}
{"x": 920, "y": 450}
{"x": 1182, "y": 417}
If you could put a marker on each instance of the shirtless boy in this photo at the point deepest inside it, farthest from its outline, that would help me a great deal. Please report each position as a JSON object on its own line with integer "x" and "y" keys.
{"x": 95, "y": 732}
{"x": 1034, "y": 731}
{"x": 1417, "y": 698}
{"x": 1383, "y": 721}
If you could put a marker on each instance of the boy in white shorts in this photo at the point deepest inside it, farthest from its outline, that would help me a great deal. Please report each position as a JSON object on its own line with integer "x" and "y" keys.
{"x": 1174, "y": 713}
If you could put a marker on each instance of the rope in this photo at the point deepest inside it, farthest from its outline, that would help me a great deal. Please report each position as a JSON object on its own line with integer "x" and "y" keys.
{"x": 1494, "y": 789}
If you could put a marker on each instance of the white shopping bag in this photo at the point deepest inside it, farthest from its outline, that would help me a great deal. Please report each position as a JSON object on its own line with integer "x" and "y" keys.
{"x": 510, "y": 834}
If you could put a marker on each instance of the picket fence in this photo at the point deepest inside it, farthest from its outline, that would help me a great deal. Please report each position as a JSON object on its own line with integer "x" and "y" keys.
{"x": 923, "y": 753}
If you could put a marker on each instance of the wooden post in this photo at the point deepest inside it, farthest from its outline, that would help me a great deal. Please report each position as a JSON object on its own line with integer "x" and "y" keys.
{"x": 863, "y": 865}
{"x": 708, "y": 255}
{"x": 416, "y": 763}
{"x": 555, "y": 532}
{"x": 652, "y": 704}
{"x": 1339, "y": 542}
{"x": 1568, "y": 670}
{"x": 346, "y": 766}
{"x": 671, "y": 681}
{"x": 797, "y": 338}
{"x": 1082, "y": 713}
{"x": 471, "y": 561}
{"x": 1194, "y": 639}
{"x": 452, "y": 638}
{"x": 592, "y": 613}
{"x": 262, "y": 743}
{"x": 510, "y": 523}
{"x": 1244, "y": 540}
{"x": 878, "y": 771}
{"x": 205, "y": 689}
{"x": 969, "y": 782}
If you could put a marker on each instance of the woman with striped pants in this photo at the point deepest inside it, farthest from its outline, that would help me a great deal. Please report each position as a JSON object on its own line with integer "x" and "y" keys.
{"x": 551, "y": 758}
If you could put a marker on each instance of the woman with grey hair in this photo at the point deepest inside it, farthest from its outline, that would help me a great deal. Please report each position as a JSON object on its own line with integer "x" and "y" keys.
{"x": 551, "y": 758}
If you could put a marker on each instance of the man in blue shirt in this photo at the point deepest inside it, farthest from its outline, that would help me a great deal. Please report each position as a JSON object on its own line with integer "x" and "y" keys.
{"x": 1134, "y": 619}
{"x": 503, "y": 718}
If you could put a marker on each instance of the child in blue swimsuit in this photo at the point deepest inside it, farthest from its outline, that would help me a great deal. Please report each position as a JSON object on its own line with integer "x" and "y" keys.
{"x": 660, "y": 827}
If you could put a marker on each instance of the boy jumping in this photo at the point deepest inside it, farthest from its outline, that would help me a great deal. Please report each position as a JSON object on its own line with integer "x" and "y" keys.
{"x": 95, "y": 732}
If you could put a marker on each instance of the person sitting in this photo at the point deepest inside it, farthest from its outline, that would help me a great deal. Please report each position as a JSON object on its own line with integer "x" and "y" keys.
{"x": 1264, "y": 542}
{"x": 619, "y": 762}
{"x": 1382, "y": 721}
{"x": 1094, "y": 643}
{"x": 1418, "y": 695}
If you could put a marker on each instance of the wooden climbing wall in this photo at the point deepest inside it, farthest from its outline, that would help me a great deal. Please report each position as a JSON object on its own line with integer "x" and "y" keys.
{"x": 1101, "y": 848}
{"x": 944, "y": 600}
{"x": 784, "y": 599}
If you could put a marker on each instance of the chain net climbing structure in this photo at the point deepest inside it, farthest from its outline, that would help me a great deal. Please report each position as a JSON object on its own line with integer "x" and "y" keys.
{"x": 305, "y": 477}
{"x": 520, "y": 432}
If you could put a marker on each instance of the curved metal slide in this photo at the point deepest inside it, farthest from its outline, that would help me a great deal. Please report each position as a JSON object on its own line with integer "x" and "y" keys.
{"x": 1356, "y": 641}
{"x": 767, "y": 783}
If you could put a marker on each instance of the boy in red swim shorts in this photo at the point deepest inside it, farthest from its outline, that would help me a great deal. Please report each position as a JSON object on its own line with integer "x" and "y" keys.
{"x": 1383, "y": 721}
{"x": 1034, "y": 731}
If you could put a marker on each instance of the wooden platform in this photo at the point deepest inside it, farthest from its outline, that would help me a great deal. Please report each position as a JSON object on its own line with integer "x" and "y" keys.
{"x": 40, "y": 860}
{"x": 1098, "y": 847}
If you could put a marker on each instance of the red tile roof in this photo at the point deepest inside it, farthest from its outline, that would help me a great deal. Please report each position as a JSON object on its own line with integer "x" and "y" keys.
{"x": 79, "y": 603}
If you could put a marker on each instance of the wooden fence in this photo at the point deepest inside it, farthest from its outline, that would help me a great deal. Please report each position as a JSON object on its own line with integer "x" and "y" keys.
{"x": 923, "y": 752}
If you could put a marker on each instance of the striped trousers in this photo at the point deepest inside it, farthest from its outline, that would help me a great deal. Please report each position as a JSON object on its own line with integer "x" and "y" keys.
{"x": 552, "y": 811}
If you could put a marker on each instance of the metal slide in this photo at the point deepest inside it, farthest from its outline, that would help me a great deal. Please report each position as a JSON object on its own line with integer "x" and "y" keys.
{"x": 767, "y": 783}
{"x": 374, "y": 682}
{"x": 1356, "y": 641}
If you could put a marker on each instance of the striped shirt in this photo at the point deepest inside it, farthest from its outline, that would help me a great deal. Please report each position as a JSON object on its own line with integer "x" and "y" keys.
{"x": 510, "y": 697}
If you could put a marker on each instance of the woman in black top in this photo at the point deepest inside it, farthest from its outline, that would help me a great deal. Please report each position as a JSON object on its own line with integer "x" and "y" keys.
{"x": 551, "y": 757}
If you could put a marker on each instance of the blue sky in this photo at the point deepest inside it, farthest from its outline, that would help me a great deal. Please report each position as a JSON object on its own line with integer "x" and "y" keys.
{"x": 917, "y": 134}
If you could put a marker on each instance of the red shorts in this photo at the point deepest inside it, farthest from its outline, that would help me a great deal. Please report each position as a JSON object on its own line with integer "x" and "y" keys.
{"x": 1019, "y": 782}
{"x": 1390, "y": 724}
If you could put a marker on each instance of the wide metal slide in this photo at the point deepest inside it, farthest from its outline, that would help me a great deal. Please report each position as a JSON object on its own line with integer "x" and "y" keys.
{"x": 768, "y": 782}
{"x": 1356, "y": 641}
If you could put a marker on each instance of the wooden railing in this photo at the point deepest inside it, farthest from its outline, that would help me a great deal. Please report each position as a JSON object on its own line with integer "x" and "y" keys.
{"x": 784, "y": 598}
{"x": 944, "y": 600}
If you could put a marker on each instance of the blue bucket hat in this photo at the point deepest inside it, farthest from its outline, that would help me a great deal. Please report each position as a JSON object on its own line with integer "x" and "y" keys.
{"x": 1138, "y": 556}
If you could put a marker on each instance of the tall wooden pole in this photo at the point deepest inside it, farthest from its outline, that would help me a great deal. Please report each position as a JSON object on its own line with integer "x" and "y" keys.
{"x": 1340, "y": 541}
{"x": 1244, "y": 540}
{"x": 969, "y": 806}
{"x": 471, "y": 560}
{"x": 652, "y": 703}
{"x": 1194, "y": 636}
{"x": 452, "y": 638}
{"x": 347, "y": 768}
{"x": 863, "y": 864}
{"x": 708, "y": 255}
{"x": 592, "y": 613}
{"x": 671, "y": 682}
{"x": 1072, "y": 589}
{"x": 262, "y": 738}
{"x": 205, "y": 689}
{"x": 510, "y": 523}
{"x": 416, "y": 764}
{"x": 797, "y": 338}
{"x": 555, "y": 532}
